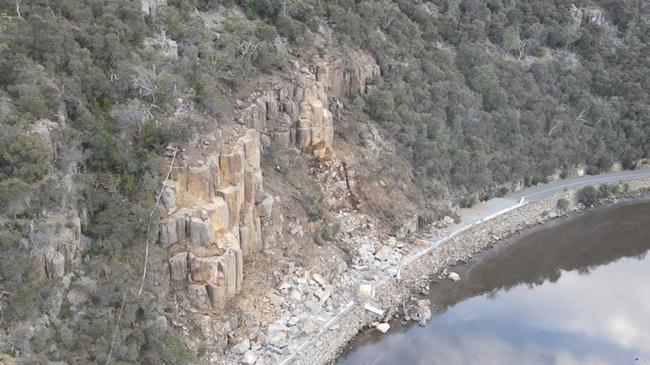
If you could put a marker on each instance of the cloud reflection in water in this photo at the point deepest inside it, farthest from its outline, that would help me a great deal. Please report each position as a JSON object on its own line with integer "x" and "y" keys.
{"x": 553, "y": 305}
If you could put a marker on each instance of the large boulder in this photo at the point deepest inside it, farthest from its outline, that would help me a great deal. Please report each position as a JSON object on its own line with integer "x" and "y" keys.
{"x": 201, "y": 231}
{"x": 168, "y": 195}
{"x": 205, "y": 269}
{"x": 217, "y": 292}
{"x": 231, "y": 195}
{"x": 54, "y": 264}
{"x": 198, "y": 182}
{"x": 178, "y": 266}
{"x": 219, "y": 214}
{"x": 198, "y": 295}
{"x": 231, "y": 168}
{"x": 167, "y": 234}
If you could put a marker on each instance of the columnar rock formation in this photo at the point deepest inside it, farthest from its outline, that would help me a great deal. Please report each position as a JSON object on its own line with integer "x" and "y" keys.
{"x": 298, "y": 112}
{"x": 293, "y": 114}
{"x": 213, "y": 220}
{"x": 215, "y": 205}
{"x": 346, "y": 77}
{"x": 53, "y": 244}
{"x": 585, "y": 15}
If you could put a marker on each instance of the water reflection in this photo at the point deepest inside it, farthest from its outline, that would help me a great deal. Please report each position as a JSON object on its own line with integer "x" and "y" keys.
{"x": 577, "y": 293}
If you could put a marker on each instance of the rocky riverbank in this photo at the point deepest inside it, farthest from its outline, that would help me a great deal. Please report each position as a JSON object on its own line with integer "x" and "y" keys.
{"x": 379, "y": 301}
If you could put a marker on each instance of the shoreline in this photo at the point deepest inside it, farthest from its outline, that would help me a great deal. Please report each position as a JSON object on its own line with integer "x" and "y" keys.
{"x": 460, "y": 246}
{"x": 538, "y": 256}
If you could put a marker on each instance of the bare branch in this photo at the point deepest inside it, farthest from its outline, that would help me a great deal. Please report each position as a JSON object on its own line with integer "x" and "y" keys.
{"x": 521, "y": 50}
{"x": 246, "y": 48}
{"x": 146, "y": 252}
{"x": 147, "y": 84}
{"x": 581, "y": 116}
{"x": 389, "y": 17}
{"x": 117, "y": 326}
{"x": 284, "y": 6}
{"x": 280, "y": 44}
{"x": 557, "y": 124}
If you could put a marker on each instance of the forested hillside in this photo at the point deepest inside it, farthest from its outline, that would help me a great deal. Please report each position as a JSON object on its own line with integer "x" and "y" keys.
{"x": 476, "y": 94}
{"x": 486, "y": 92}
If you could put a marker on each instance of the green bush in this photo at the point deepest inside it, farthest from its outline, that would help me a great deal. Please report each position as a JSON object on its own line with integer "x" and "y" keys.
{"x": 23, "y": 155}
{"x": 380, "y": 105}
{"x": 181, "y": 130}
{"x": 13, "y": 193}
{"x": 588, "y": 195}
{"x": 314, "y": 208}
{"x": 604, "y": 191}
{"x": 467, "y": 202}
{"x": 563, "y": 204}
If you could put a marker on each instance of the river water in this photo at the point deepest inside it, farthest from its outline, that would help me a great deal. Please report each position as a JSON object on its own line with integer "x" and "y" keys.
{"x": 576, "y": 292}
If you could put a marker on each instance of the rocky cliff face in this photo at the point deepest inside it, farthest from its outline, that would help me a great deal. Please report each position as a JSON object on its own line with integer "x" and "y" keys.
{"x": 54, "y": 241}
{"x": 215, "y": 204}
{"x": 346, "y": 76}
{"x": 212, "y": 220}
{"x": 294, "y": 113}
{"x": 300, "y": 112}
{"x": 55, "y": 244}
{"x": 585, "y": 15}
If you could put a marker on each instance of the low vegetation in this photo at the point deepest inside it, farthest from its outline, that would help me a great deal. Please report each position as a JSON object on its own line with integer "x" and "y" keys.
{"x": 563, "y": 204}
{"x": 590, "y": 195}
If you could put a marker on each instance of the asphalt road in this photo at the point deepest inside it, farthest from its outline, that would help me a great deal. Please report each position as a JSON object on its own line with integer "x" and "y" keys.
{"x": 543, "y": 190}
{"x": 497, "y": 206}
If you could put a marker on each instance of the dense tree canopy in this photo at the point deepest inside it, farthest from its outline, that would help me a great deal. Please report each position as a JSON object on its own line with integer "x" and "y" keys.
{"x": 485, "y": 92}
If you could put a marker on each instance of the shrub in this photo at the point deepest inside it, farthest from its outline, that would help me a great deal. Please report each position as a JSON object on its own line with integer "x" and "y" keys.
{"x": 318, "y": 238}
{"x": 23, "y": 156}
{"x": 212, "y": 100}
{"x": 37, "y": 100}
{"x": 381, "y": 105}
{"x": 330, "y": 230}
{"x": 284, "y": 160}
{"x": 13, "y": 193}
{"x": 592, "y": 170}
{"x": 564, "y": 174}
{"x": 562, "y": 204}
{"x": 130, "y": 115}
{"x": 181, "y": 130}
{"x": 9, "y": 239}
{"x": 588, "y": 195}
{"x": 314, "y": 208}
{"x": 157, "y": 345}
{"x": 467, "y": 202}
{"x": 152, "y": 137}
{"x": 604, "y": 191}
